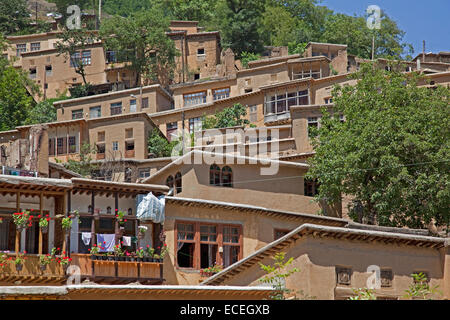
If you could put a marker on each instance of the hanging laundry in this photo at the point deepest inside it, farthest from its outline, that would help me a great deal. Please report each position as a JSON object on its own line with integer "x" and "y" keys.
{"x": 86, "y": 238}
{"x": 106, "y": 242}
{"x": 126, "y": 241}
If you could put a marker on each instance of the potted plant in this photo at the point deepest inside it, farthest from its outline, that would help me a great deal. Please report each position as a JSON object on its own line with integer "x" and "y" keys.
{"x": 141, "y": 232}
{"x": 118, "y": 253}
{"x": 43, "y": 223}
{"x": 164, "y": 251}
{"x": 44, "y": 261}
{"x": 140, "y": 254}
{"x": 149, "y": 254}
{"x": 22, "y": 220}
{"x": 3, "y": 259}
{"x": 66, "y": 223}
{"x": 64, "y": 262}
{"x": 208, "y": 272}
{"x": 94, "y": 251}
{"x": 19, "y": 260}
{"x": 120, "y": 219}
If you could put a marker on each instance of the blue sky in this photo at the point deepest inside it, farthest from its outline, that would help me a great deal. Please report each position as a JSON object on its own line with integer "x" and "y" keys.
{"x": 427, "y": 20}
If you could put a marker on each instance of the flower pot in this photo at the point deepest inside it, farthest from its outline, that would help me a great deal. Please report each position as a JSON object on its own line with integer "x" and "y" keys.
{"x": 147, "y": 259}
{"x": 122, "y": 259}
{"x": 64, "y": 267}
{"x": 44, "y": 229}
{"x": 141, "y": 235}
{"x": 110, "y": 258}
{"x": 93, "y": 257}
{"x": 19, "y": 267}
{"x": 20, "y": 229}
{"x": 43, "y": 267}
{"x": 103, "y": 257}
{"x": 139, "y": 259}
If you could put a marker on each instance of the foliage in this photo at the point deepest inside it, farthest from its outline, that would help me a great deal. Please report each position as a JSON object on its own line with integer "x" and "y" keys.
{"x": 15, "y": 100}
{"x": 20, "y": 258}
{"x": 214, "y": 269}
{"x": 15, "y": 19}
{"x": 45, "y": 259}
{"x": 142, "y": 38}
{"x": 81, "y": 90}
{"x": 164, "y": 251}
{"x": 277, "y": 275}
{"x": 118, "y": 252}
{"x": 142, "y": 229}
{"x": 420, "y": 288}
{"x": 150, "y": 251}
{"x": 363, "y": 294}
{"x": 120, "y": 217}
{"x": 159, "y": 146}
{"x": 43, "y": 221}
{"x": 70, "y": 45}
{"x": 229, "y": 117}
{"x": 63, "y": 260}
{"x": 94, "y": 249}
{"x": 140, "y": 252}
{"x": 3, "y": 259}
{"x": 391, "y": 152}
{"x": 22, "y": 219}
{"x": 66, "y": 223}
{"x": 353, "y": 31}
{"x": 83, "y": 164}
{"x": 246, "y": 57}
{"x": 61, "y": 7}
{"x": 125, "y": 8}
{"x": 296, "y": 48}
{"x": 43, "y": 112}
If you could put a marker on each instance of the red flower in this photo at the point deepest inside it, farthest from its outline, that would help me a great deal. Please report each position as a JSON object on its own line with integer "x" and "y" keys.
{"x": 104, "y": 242}
{"x": 89, "y": 249}
{"x": 116, "y": 210}
{"x": 39, "y": 216}
{"x": 24, "y": 251}
{"x": 125, "y": 220}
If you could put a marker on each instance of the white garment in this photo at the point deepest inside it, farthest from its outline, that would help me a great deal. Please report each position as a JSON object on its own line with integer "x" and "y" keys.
{"x": 86, "y": 238}
{"x": 126, "y": 241}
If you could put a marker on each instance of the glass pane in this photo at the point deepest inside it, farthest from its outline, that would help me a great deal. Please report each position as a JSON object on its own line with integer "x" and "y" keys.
{"x": 190, "y": 236}
{"x": 203, "y": 238}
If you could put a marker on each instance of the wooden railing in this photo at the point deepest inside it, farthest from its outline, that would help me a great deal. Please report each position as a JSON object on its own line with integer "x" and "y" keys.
{"x": 31, "y": 271}
{"x": 104, "y": 271}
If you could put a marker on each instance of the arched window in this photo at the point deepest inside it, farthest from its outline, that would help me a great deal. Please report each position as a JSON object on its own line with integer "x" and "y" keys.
{"x": 169, "y": 182}
{"x": 90, "y": 209}
{"x": 108, "y": 210}
{"x": 214, "y": 175}
{"x": 227, "y": 177}
{"x": 130, "y": 211}
{"x": 178, "y": 182}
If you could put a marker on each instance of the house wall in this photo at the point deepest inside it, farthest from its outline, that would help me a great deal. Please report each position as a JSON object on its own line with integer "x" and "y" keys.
{"x": 317, "y": 258}
{"x": 257, "y": 231}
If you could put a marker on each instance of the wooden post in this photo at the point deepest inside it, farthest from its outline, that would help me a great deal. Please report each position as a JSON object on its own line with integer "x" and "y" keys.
{"x": 64, "y": 245}
{"x": 41, "y": 212}
{"x": 17, "y": 244}
{"x": 116, "y": 223}
{"x": 93, "y": 219}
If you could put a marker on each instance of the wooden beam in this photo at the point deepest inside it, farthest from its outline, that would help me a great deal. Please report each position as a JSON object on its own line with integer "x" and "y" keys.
{"x": 41, "y": 212}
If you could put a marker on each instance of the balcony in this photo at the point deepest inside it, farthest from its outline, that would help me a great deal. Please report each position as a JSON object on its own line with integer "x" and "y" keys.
{"x": 31, "y": 271}
{"x": 116, "y": 272}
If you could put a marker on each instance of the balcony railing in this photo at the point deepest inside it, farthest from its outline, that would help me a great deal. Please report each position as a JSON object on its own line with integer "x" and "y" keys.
{"x": 110, "y": 271}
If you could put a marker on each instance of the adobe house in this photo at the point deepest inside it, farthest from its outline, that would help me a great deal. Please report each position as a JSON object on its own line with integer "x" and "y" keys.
{"x": 334, "y": 260}
{"x": 203, "y": 233}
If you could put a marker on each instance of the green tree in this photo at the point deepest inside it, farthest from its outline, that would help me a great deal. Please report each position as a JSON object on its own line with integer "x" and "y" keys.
{"x": 246, "y": 57}
{"x": 44, "y": 111}
{"x": 363, "y": 294}
{"x": 62, "y": 5}
{"x": 14, "y": 17}
{"x": 420, "y": 288}
{"x": 15, "y": 98}
{"x": 142, "y": 38}
{"x": 391, "y": 154}
{"x": 71, "y": 44}
{"x": 228, "y": 117}
{"x": 277, "y": 275}
{"x": 353, "y": 32}
{"x": 239, "y": 22}
{"x": 84, "y": 164}
{"x": 159, "y": 146}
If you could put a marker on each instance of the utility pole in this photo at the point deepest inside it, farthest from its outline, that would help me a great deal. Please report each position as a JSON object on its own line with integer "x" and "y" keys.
{"x": 423, "y": 52}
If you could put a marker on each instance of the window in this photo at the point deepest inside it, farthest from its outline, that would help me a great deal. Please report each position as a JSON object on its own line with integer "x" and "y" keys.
{"x": 227, "y": 177}
{"x": 108, "y": 210}
{"x": 61, "y": 144}
{"x": 101, "y": 136}
{"x": 133, "y": 105}
{"x": 253, "y": 113}
{"x": 51, "y": 146}
{"x": 33, "y": 73}
{"x": 111, "y": 57}
{"x": 195, "y": 124}
{"x": 231, "y": 245}
{"x": 101, "y": 148}
{"x": 311, "y": 188}
{"x": 198, "y": 244}
{"x": 171, "y": 130}
{"x": 280, "y": 103}
{"x": 386, "y": 276}
{"x": 74, "y": 59}
{"x": 144, "y": 103}
{"x": 95, "y": 112}
{"x": 185, "y": 245}
{"x": 72, "y": 145}
{"x": 343, "y": 275}
{"x": 277, "y": 234}
{"x": 127, "y": 174}
{"x": 273, "y": 77}
{"x": 48, "y": 70}
{"x": 178, "y": 185}
{"x": 116, "y": 108}
{"x": 220, "y": 94}
{"x": 200, "y": 51}
{"x": 342, "y": 118}
{"x": 312, "y": 122}
{"x": 214, "y": 175}
{"x": 169, "y": 182}
{"x": 193, "y": 99}
{"x": 35, "y": 46}
{"x": 144, "y": 173}
{"x": 129, "y": 145}
{"x": 328, "y": 100}
{"x": 115, "y": 146}
{"x": 77, "y": 114}
{"x": 86, "y": 57}
{"x": 196, "y": 76}
{"x": 248, "y": 90}
{"x": 129, "y": 133}
{"x": 21, "y": 48}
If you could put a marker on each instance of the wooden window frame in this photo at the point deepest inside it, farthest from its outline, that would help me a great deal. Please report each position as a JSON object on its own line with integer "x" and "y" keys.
{"x": 219, "y": 241}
